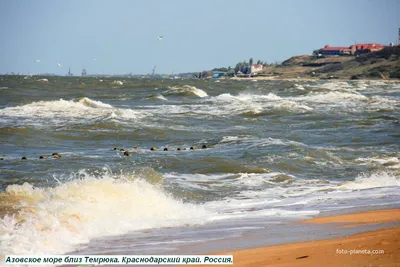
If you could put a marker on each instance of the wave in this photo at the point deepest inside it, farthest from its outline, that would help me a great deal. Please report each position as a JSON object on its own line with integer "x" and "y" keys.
{"x": 253, "y": 104}
{"x": 185, "y": 90}
{"x": 92, "y": 103}
{"x": 157, "y": 96}
{"x": 373, "y": 180}
{"x": 333, "y": 97}
{"x": 389, "y": 162}
{"x": 55, "y": 220}
{"x": 48, "y": 113}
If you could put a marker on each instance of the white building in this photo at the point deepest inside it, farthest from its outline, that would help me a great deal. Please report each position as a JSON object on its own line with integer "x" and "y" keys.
{"x": 256, "y": 68}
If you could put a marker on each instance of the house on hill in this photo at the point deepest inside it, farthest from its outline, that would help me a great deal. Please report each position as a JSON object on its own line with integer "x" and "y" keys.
{"x": 349, "y": 50}
{"x": 256, "y": 68}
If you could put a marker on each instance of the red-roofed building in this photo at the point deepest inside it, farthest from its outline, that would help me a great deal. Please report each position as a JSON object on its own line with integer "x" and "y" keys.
{"x": 335, "y": 50}
{"x": 350, "y": 50}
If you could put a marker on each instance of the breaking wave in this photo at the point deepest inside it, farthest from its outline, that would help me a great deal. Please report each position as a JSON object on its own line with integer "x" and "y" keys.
{"x": 185, "y": 90}
{"x": 55, "y": 220}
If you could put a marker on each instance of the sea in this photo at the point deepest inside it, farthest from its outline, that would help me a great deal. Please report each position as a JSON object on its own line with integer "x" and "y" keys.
{"x": 230, "y": 159}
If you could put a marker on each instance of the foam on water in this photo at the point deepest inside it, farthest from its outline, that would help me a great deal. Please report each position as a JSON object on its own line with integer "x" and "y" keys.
{"x": 43, "y": 113}
{"x": 255, "y": 103}
{"x": 55, "y": 220}
{"x": 373, "y": 180}
{"x": 93, "y": 103}
{"x": 186, "y": 90}
{"x": 390, "y": 162}
{"x": 333, "y": 97}
{"x": 161, "y": 97}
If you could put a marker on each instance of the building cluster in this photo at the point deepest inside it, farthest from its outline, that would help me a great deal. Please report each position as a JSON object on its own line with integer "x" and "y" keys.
{"x": 350, "y": 50}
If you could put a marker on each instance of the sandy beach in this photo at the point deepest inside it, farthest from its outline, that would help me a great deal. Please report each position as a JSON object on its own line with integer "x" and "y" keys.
{"x": 374, "y": 248}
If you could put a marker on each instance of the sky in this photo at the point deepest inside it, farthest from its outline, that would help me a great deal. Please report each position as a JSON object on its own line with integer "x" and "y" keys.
{"x": 120, "y": 36}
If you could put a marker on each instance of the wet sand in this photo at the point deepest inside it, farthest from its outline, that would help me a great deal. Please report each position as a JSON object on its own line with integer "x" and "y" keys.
{"x": 374, "y": 248}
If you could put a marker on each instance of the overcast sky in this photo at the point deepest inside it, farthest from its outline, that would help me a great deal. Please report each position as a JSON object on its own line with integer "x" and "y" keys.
{"x": 120, "y": 36}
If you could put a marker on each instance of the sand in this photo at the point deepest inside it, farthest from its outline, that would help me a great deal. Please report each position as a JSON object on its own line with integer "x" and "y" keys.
{"x": 374, "y": 248}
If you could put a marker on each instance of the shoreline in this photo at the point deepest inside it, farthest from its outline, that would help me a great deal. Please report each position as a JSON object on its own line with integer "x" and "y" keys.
{"x": 366, "y": 248}
{"x": 283, "y": 78}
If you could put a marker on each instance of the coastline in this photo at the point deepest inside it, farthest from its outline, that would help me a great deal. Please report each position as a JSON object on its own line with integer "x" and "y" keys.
{"x": 283, "y": 78}
{"x": 372, "y": 248}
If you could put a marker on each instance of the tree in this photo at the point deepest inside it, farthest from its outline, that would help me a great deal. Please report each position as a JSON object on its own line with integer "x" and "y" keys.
{"x": 316, "y": 52}
{"x": 251, "y": 61}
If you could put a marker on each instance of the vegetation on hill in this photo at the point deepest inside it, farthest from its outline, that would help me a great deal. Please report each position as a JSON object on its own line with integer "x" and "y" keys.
{"x": 381, "y": 64}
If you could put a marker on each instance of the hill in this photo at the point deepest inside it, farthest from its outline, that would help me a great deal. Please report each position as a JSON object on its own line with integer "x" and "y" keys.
{"x": 380, "y": 64}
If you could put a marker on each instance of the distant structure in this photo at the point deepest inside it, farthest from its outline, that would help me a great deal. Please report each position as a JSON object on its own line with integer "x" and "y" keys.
{"x": 398, "y": 41}
{"x": 256, "y": 68}
{"x": 83, "y": 72}
{"x": 154, "y": 70}
{"x": 69, "y": 72}
{"x": 349, "y": 50}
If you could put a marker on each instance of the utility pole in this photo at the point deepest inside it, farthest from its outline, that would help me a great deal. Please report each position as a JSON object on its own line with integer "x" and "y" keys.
{"x": 398, "y": 41}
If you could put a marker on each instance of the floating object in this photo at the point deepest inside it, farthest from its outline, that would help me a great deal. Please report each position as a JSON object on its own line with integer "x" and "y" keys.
{"x": 127, "y": 153}
{"x": 23, "y": 158}
{"x": 122, "y": 150}
{"x": 1, "y": 158}
{"x": 153, "y": 148}
{"x": 192, "y": 148}
{"x": 179, "y": 149}
{"x": 204, "y": 146}
{"x": 165, "y": 149}
{"x": 115, "y": 148}
{"x": 43, "y": 157}
{"x": 56, "y": 155}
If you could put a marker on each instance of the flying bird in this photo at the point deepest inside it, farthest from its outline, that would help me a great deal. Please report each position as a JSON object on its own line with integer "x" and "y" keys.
{"x": 37, "y": 60}
{"x": 58, "y": 63}
{"x": 160, "y": 37}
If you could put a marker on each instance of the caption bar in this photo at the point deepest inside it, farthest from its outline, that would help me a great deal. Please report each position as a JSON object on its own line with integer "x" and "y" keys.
{"x": 118, "y": 259}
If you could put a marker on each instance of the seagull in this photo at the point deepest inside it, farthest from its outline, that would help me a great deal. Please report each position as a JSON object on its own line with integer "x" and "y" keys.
{"x": 58, "y": 63}
{"x": 37, "y": 60}
{"x": 160, "y": 37}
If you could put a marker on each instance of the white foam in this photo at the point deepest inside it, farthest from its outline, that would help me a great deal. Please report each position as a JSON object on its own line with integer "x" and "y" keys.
{"x": 379, "y": 161}
{"x": 161, "y": 97}
{"x": 93, "y": 103}
{"x": 373, "y": 180}
{"x": 335, "y": 85}
{"x": 45, "y": 113}
{"x": 333, "y": 97}
{"x": 117, "y": 82}
{"x": 186, "y": 90}
{"x": 55, "y": 220}
{"x": 256, "y": 103}
{"x": 299, "y": 87}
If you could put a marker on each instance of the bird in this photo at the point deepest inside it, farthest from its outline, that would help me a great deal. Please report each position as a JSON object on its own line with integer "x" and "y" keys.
{"x": 58, "y": 63}
{"x": 160, "y": 37}
{"x": 37, "y": 60}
